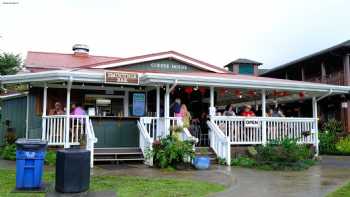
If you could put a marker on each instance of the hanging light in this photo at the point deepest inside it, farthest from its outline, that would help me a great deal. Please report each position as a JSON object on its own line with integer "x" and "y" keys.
{"x": 238, "y": 93}
{"x": 195, "y": 88}
{"x": 188, "y": 90}
{"x": 202, "y": 90}
{"x": 82, "y": 85}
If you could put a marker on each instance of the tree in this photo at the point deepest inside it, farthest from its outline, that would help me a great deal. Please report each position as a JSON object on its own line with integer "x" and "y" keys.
{"x": 10, "y": 63}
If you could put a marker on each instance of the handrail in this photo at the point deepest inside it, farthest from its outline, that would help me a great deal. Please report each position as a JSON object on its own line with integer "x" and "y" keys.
{"x": 145, "y": 142}
{"x": 90, "y": 140}
{"x": 219, "y": 142}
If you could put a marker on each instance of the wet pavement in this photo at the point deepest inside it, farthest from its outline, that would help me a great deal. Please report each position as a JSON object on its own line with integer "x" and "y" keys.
{"x": 330, "y": 173}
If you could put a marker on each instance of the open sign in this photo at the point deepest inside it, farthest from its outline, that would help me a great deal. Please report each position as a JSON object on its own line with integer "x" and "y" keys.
{"x": 251, "y": 123}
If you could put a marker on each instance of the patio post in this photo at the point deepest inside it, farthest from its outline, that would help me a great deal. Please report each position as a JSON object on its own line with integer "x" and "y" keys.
{"x": 314, "y": 114}
{"x": 66, "y": 133}
{"x": 263, "y": 110}
{"x": 166, "y": 109}
{"x": 43, "y": 132}
{"x": 158, "y": 102}
{"x": 212, "y": 109}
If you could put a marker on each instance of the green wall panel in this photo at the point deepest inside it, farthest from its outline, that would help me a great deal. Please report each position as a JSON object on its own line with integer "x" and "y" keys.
{"x": 116, "y": 133}
{"x": 247, "y": 69}
{"x": 14, "y": 110}
{"x": 34, "y": 123}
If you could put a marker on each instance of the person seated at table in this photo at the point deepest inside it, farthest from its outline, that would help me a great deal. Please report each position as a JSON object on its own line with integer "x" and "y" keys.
{"x": 57, "y": 110}
{"x": 269, "y": 112}
{"x": 247, "y": 111}
{"x": 77, "y": 110}
{"x": 229, "y": 110}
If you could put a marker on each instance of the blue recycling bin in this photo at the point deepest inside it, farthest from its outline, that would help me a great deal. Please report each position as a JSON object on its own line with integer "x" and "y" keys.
{"x": 30, "y": 156}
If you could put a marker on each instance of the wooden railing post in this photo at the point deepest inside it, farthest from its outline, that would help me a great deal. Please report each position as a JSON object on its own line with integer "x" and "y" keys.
{"x": 43, "y": 132}
{"x": 66, "y": 131}
{"x": 314, "y": 113}
{"x": 263, "y": 108}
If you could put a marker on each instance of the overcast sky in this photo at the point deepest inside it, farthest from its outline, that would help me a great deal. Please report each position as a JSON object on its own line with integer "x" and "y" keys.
{"x": 270, "y": 31}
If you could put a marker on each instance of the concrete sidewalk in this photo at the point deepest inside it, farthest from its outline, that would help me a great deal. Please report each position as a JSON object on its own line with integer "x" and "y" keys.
{"x": 330, "y": 173}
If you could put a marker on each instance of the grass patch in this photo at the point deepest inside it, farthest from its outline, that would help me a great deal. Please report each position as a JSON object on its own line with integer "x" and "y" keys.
{"x": 124, "y": 186}
{"x": 343, "y": 191}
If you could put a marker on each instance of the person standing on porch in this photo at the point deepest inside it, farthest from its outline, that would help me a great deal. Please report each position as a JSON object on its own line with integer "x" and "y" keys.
{"x": 247, "y": 111}
{"x": 176, "y": 106}
{"x": 57, "y": 110}
{"x": 185, "y": 116}
{"x": 229, "y": 110}
{"x": 77, "y": 110}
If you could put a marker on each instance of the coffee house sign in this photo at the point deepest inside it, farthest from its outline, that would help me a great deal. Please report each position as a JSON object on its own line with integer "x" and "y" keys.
{"x": 118, "y": 77}
{"x": 167, "y": 66}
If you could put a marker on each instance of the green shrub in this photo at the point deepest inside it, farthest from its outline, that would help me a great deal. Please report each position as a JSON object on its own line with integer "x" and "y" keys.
{"x": 343, "y": 146}
{"x": 333, "y": 126}
{"x": 286, "y": 150}
{"x": 221, "y": 161}
{"x": 284, "y": 155}
{"x": 170, "y": 152}
{"x": 9, "y": 152}
{"x": 50, "y": 158}
{"x": 243, "y": 161}
{"x": 327, "y": 141}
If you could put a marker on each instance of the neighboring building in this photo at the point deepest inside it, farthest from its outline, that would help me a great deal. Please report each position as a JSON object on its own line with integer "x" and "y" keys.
{"x": 244, "y": 67}
{"x": 328, "y": 66}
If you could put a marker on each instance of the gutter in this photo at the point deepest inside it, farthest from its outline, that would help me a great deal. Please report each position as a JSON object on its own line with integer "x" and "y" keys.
{"x": 324, "y": 96}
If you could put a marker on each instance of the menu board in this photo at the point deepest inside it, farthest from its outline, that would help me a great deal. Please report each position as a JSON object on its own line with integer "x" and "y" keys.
{"x": 138, "y": 104}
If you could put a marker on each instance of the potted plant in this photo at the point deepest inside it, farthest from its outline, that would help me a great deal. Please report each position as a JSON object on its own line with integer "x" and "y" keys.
{"x": 202, "y": 161}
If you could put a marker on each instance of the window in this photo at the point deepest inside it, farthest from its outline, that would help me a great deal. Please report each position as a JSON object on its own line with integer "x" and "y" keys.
{"x": 246, "y": 69}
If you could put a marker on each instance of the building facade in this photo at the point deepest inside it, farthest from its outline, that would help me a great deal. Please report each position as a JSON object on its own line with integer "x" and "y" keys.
{"x": 328, "y": 66}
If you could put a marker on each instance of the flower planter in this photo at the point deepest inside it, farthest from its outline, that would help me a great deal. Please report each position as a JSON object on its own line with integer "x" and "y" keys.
{"x": 201, "y": 162}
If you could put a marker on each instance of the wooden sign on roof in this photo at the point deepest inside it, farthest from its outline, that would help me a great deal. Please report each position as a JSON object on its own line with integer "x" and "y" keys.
{"x": 120, "y": 77}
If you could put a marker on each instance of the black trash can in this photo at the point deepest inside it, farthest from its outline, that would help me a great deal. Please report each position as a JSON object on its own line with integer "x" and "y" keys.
{"x": 72, "y": 170}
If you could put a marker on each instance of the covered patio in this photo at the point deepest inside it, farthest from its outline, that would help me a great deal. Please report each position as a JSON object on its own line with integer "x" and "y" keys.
{"x": 222, "y": 88}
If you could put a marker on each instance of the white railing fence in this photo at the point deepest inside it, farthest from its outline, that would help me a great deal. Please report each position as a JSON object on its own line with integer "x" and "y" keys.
{"x": 90, "y": 140}
{"x": 153, "y": 128}
{"x": 80, "y": 129}
{"x": 219, "y": 142}
{"x": 158, "y": 127}
{"x": 145, "y": 141}
{"x": 259, "y": 130}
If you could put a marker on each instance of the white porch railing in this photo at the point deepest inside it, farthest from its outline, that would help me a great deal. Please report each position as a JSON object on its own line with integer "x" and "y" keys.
{"x": 153, "y": 128}
{"x": 55, "y": 132}
{"x": 219, "y": 142}
{"x": 156, "y": 126}
{"x": 241, "y": 130}
{"x": 145, "y": 142}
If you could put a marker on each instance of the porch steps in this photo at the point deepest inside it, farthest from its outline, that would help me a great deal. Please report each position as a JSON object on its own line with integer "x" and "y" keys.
{"x": 207, "y": 151}
{"x": 118, "y": 154}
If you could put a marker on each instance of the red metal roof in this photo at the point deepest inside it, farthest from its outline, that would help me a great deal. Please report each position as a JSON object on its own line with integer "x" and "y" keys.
{"x": 48, "y": 61}
{"x": 41, "y": 61}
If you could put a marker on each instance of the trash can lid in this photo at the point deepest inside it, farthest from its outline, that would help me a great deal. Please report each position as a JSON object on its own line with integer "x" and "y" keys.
{"x": 23, "y": 141}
